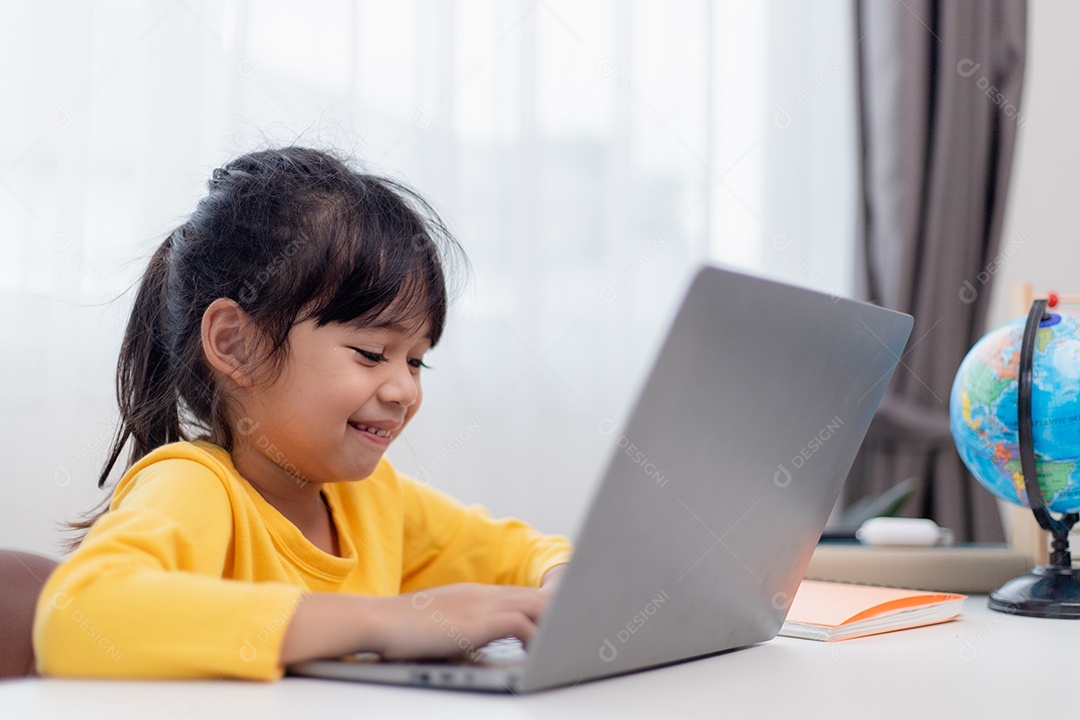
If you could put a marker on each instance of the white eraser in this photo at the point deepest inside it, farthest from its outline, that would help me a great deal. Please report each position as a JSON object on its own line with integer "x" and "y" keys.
{"x": 900, "y": 531}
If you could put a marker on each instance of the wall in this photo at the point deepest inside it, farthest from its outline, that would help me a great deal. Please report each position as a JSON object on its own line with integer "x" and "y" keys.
{"x": 1039, "y": 243}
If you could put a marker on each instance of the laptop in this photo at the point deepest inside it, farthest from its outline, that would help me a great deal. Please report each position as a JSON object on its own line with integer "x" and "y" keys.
{"x": 717, "y": 489}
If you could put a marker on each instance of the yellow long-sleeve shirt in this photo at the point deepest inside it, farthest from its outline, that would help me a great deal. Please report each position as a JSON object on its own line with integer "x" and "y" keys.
{"x": 193, "y": 574}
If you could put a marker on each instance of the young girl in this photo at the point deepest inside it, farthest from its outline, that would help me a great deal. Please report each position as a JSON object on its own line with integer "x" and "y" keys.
{"x": 284, "y": 327}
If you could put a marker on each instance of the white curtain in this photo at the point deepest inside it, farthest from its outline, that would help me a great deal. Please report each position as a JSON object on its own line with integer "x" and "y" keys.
{"x": 586, "y": 154}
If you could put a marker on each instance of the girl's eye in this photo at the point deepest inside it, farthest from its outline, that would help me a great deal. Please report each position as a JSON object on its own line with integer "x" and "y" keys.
{"x": 374, "y": 357}
{"x": 370, "y": 356}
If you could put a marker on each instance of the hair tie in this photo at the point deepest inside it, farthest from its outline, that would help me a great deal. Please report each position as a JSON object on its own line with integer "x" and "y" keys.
{"x": 218, "y": 177}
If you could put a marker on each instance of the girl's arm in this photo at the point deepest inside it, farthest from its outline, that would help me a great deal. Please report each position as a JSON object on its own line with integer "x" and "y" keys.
{"x": 552, "y": 577}
{"x": 450, "y": 620}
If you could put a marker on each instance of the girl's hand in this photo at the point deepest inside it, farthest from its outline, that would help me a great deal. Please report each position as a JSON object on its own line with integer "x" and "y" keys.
{"x": 441, "y": 622}
{"x": 458, "y": 619}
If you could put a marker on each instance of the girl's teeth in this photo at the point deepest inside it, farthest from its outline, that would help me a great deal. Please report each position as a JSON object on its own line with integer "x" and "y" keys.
{"x": 374, "y": 431}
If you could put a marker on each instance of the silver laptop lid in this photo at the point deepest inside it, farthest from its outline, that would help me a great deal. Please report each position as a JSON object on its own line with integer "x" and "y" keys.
{"x": 721, "y": 481}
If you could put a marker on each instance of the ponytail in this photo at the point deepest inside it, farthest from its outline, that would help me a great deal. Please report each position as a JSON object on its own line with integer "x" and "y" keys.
{"x": 145, "y": 387}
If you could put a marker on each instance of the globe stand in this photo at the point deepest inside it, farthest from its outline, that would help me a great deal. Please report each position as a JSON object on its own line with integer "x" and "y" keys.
{"x": 1051, "y": 590}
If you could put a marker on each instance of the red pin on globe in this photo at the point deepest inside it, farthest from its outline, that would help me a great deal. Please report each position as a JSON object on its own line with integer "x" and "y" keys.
{"x": 1052, "y": 299}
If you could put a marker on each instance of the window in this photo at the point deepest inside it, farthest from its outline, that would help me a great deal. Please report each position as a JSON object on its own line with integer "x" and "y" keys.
{"x": 587, "y": 156}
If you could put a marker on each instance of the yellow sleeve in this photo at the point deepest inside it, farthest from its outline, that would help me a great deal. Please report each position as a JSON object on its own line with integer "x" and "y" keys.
{"x": 446, "y": 542}
{"x": 144, "y": 597}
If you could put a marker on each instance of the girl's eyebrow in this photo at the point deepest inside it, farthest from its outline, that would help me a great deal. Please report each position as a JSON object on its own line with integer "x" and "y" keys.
{"x": 392, "y": 326}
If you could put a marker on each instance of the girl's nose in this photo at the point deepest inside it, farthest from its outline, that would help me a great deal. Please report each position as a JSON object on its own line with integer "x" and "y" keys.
{"x": 400, "y": 386}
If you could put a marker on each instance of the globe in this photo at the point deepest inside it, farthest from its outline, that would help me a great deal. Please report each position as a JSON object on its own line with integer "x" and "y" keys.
{"x": 983, "y": 412}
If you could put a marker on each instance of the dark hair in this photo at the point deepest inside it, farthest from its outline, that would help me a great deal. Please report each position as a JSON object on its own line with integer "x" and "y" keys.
{"x": 290, "y": 234}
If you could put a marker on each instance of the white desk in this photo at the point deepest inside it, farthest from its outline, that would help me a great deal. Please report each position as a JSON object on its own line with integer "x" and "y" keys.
{"x": 983, "y": 665}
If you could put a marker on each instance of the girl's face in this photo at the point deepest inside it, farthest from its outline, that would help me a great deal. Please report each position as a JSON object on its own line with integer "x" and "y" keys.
{"x": 343, "y": 395}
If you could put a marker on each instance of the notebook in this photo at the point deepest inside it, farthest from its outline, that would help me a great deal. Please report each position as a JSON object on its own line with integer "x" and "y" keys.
{"x": 832, "y": 611}
{"x": 696, "y": 541}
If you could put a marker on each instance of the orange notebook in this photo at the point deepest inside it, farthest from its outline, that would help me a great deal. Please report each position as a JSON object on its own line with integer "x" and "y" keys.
{"x": 838, "y": 611}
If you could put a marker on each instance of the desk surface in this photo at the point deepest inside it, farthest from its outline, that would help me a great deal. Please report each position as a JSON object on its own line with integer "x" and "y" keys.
{"x": 984, "y": 664}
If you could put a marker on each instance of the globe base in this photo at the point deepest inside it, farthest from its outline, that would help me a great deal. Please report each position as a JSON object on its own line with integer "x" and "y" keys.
{"x": 1048, "y": 591}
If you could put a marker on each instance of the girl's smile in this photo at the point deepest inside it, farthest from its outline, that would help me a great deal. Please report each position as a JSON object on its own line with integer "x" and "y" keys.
{"x": 379, "y": 433}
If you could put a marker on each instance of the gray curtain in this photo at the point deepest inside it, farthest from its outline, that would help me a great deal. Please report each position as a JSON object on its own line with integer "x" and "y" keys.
{"x": 938, "y": 95}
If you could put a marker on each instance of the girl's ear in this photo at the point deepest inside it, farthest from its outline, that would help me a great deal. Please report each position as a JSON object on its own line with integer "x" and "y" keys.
{"x": 229, "y": 339}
